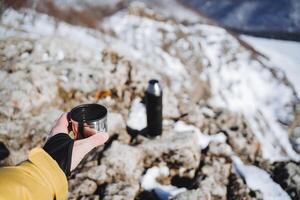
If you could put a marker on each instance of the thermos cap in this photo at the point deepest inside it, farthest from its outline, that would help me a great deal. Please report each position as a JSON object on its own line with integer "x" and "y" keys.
{"x": 154, "y": 87}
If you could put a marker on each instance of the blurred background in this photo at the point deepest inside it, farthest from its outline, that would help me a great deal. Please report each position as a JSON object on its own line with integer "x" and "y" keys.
{"x": 230, "y": 77}
{"x": 279, "y": 20}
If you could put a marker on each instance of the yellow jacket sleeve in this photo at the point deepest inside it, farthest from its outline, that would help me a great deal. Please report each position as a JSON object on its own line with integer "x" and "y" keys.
{"x": 38, "y": 178}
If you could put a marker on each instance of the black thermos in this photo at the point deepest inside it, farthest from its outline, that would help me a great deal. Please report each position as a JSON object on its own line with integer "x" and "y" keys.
{"x": 154, "y": 108}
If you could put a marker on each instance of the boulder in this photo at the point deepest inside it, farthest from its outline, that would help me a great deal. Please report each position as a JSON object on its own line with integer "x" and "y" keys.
{"x": 180, "y": 150}
{"x": 123, "y": 162}
{"x": 86, "y": 187}
{"x": 116, "y": 125}
{"x": 121, "y": 191}
{"x": 287, "y": 174}
{"x": 196, "y": 194}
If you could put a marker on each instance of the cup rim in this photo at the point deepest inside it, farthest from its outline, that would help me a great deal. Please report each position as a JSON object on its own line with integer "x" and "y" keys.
{"x": 86, "y": 105}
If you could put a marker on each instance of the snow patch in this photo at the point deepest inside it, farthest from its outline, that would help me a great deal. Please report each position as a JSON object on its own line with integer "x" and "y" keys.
{"x": 149, "y": 183}
{"x": 238, "y": 81}
{"x": 258, "y": 179}
{"x": 36, "y": 25}
{"x": 137, "y": 117}
{"x": 249, "y": 87}
{"x": 147, "y": 39}
{"x": 283, "y": 54}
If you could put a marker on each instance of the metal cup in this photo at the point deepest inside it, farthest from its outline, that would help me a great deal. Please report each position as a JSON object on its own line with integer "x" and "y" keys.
{"x": 87, "y": 120}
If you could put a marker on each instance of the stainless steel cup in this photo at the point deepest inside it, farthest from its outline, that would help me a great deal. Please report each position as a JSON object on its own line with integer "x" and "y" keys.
{"x": 88, "y": 119}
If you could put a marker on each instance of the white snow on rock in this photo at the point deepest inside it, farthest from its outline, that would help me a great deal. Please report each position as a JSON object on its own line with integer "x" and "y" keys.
{"x": 258, "y": 179}
{"x": 137, "y": 117}
{"x": 81, "y": 5}
{"x": 283, "y": 54}
{"x": 252, "y": 87}
{"x": 147, "y": 38}
{"x": 149, "y": 183}
{"x": 27, "y": 21}
{"x": 240, "y": 80}
{"x": 249, "y": 87}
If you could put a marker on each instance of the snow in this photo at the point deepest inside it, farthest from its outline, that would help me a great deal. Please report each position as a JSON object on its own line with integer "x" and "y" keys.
{"x": 148, "y": 39}
{"x": 283, "y": 54}
{"x": 182, "y": 13}
{"x": 249, "y": 87}
{"x": 137, "y": 116}
{"x": 81, "y": 5}
{"x": 27, "y": 22}
{"x": 238, "y": 82}
{"x": 138, "y": 120}
{"x": 149, "y": 183}
{"x": 258, "y": 179}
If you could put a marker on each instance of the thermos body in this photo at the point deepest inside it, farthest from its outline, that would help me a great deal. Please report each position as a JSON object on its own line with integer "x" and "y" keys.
{"x": 153, "y": 96}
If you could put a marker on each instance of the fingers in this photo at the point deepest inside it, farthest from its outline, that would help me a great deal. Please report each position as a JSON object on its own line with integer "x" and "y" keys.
{"x": 95, "y": 140}
{"x": 89, "y": 131}
{"x": 82, "y": 147}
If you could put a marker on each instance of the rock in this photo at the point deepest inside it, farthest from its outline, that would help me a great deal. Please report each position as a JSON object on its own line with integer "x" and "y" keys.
{"x": 196, "y": 117}
{"x": 23, "y": 92}
{"x": 121, "y": 191}
{"x": 48, "y": 66}
{"x": 287, "y": 174}
{"x": 87, "y": 187}
{"x": 123, "y": 162}
{"x": 248, "y": 148}
{"x": 90, "y": 197}
{"x": 200, "y": 91}
{"x": 39, "y": 126}
{"x": 179, "y": 150}
{"x": 216, "y": 179}
{"x": 214, "y": 174}
{"x": 170, "y": 104}
{"x": 295, "y": 138}
{"x": 96, "y": 173}
{"x": 113, "y": 74}
{"x": 191, "y": 195}
{"x": 220, "y": 150}
{"x": 15, "y": 48}
{"x": 240, "y": 137}
{"x": 115, "y": 122}
{"x": 237, "y": 189}
{"x": 21, "y": 135}
{"x": 116, "y": 125}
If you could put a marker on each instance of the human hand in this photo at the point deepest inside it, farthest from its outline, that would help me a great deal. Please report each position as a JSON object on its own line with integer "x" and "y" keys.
{"x": 81, "y": 147}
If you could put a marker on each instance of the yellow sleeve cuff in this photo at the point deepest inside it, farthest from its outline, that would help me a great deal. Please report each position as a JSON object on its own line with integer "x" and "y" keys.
{"x": 51, "y": 172}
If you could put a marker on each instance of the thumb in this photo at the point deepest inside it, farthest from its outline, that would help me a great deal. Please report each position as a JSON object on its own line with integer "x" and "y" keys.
{"x": 94, "y": 140}
{"x": 82, "y": 147}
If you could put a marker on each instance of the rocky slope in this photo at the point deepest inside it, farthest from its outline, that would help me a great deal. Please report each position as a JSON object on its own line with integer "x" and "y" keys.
{"x": 227, "y": 111}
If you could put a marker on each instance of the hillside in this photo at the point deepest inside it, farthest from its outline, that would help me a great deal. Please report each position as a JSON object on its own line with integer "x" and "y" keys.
{"x": 230, "y": 116}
